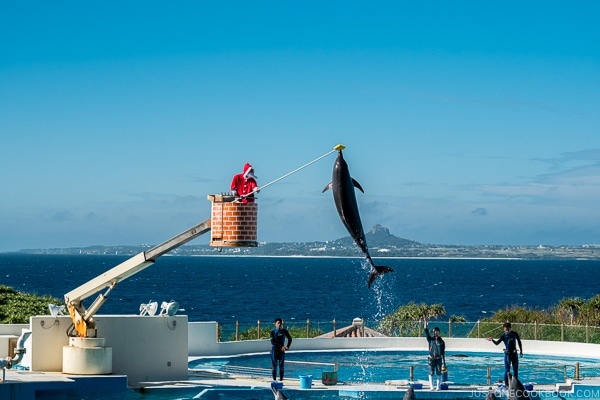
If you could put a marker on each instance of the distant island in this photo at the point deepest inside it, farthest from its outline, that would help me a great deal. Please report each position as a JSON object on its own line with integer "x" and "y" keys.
{"x": 381, "y": 244}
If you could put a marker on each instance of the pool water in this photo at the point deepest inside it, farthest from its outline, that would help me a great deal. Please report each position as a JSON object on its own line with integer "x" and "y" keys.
{"x": 361, "y": 367}
{"x": 380, "y": 366}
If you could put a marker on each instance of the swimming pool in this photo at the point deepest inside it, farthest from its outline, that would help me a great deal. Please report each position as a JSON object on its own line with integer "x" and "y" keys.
{"x": 364, "y": 374}
{"x": 374, "y": 366}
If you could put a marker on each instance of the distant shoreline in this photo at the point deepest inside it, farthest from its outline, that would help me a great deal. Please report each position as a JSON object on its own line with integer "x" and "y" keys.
{"x": 229, "y": 254}
{"x": 382, "y": 245}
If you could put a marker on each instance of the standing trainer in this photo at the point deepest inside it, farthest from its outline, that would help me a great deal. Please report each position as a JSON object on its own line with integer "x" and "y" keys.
{"x": 510, "y": 339}
{"x": 437, "y": 355}
{"x": 278, "y": 348}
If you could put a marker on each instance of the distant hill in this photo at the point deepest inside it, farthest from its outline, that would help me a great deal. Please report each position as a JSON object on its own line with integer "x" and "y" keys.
{"x": 378, "y": 236}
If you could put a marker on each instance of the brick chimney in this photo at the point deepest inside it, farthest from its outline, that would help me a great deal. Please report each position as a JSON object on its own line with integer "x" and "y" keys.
{"x": 233, "y": 224}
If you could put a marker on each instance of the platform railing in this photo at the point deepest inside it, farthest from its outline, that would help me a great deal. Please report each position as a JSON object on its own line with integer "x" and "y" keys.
{"x": 261, "y": 329}
{"x": 478, "y": 374}
{"x": 266, "y": 372}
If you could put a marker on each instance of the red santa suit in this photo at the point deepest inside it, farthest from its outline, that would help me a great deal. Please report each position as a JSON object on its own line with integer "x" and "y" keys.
{"x": 244, "y": 184}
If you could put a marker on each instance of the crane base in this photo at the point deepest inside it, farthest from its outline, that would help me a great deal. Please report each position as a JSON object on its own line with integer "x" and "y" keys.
{"x": 87, "y": 356}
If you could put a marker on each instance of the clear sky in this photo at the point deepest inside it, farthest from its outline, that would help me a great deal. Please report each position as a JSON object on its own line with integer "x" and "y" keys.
{"x": 466, "y": 122}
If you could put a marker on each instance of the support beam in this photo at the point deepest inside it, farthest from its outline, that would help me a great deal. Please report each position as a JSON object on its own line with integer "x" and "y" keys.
{"x": 82, "y": 318}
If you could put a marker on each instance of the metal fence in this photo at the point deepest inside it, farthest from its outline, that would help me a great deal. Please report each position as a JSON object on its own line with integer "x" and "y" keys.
{"x": 479, "y": 329}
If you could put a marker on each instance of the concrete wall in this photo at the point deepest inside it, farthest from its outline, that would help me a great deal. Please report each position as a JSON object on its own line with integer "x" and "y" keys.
{"x": 12, "y": 329}
{"x": 156, "y": 348}
{"x": 8, "y": 338}
{"x": 145, "y": 348}
{"x": 202, "y": 342}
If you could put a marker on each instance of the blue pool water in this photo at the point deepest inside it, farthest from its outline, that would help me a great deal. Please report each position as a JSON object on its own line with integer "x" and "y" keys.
{"x": 380, "y": 366}
{"x": 373, "y": 366}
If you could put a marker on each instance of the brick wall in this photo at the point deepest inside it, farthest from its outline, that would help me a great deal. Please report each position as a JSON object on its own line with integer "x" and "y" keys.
{"x": 233, "y": 224}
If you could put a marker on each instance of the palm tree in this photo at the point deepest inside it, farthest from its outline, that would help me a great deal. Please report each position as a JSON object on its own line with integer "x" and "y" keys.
{"x": 591, "y": 309}
{"x": 405, "y": 321}
{"x": 569, "y": 307}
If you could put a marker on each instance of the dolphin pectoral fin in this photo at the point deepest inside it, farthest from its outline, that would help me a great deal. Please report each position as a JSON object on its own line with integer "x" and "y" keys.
{"x": 376, "y": 271}
{"x": 357, "y": 185}
{"x": 326, "y": 187}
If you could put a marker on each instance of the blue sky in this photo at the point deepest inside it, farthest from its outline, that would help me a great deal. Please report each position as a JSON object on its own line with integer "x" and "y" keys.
{"x": 465, "y": 122}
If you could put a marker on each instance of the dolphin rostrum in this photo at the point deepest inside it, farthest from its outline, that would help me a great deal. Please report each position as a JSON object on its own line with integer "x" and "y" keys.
{"x": 410, "y": 394}
{"x": 278, "y": 394}
{"x": 342, "y": 185}
{"x": 516, "y": 390}
{"x": 491, "y": 396}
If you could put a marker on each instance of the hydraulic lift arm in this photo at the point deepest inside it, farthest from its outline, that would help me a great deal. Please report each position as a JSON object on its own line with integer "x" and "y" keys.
{"x": 83, "y": 319}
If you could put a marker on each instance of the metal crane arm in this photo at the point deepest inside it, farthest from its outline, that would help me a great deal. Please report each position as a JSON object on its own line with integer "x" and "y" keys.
{"x": 83, "y": 319}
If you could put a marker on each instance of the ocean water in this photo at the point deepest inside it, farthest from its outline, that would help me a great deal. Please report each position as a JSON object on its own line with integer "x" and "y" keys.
{"x": 246, "y": 289}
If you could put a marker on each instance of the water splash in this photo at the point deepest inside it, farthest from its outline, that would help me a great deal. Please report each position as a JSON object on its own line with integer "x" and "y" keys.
{"x": 384, "y": 295}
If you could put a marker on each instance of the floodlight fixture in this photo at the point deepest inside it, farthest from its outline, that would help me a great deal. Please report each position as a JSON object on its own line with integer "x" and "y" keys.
{"x": 56, "y": 310}
{"x": 149, "y": 309}
{"x": 169, "y": 308}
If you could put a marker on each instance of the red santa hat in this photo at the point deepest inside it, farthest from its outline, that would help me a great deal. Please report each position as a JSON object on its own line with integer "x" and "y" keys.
{"x": 249, "y": 171}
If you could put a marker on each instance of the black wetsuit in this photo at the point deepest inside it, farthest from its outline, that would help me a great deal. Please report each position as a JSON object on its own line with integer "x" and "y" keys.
{"x": 510, "y": 340}
{"x": 278, "y": 337}
{"x": 437, "y": 353}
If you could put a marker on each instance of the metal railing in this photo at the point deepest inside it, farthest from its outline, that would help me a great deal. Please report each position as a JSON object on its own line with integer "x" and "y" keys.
{"x": 266, "y": 372}
{"x": 479, "y": 329}
{"x": 471, "y": 374}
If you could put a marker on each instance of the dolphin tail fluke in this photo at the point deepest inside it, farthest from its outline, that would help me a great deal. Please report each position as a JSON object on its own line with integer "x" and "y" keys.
{"x": 376, "y": 271}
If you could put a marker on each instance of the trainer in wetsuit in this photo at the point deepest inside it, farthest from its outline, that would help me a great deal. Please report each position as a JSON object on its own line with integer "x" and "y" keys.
{"x": 278, "y": 347}
{"x": 437, "y": 355}
{"x": 510, "y": 339}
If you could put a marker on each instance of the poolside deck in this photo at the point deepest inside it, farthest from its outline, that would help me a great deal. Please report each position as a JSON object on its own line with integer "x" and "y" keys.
{"x": 198, "y": 339}
{"x": 244, "y": 386}
{"x": 25, "y": 385}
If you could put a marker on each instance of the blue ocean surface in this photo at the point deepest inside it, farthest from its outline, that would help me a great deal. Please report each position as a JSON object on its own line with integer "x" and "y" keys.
{"x": 247, "y": 289}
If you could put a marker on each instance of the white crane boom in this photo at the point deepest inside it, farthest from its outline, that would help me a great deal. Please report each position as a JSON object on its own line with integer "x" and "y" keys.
{"x": 83, "y": 320}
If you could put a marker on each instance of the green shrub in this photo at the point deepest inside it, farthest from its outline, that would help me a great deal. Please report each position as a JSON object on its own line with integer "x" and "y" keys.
{"x": 16, "y": 307}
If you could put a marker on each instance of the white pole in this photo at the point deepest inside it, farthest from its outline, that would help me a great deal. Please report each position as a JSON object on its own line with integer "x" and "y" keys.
{"x": 336, "y": 148}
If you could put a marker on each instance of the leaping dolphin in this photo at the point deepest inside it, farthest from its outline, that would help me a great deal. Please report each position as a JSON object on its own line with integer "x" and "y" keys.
{"x": 342, "y": 185}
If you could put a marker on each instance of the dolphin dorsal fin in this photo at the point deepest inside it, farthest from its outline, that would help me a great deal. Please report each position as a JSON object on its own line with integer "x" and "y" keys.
{"x": 357, "y": 185}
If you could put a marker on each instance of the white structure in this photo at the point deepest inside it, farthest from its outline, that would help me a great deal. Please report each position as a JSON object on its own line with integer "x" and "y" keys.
{"x": 202, "y": 342}
{"x": 144, "y": 348}
{"x": 156, "y": 348}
